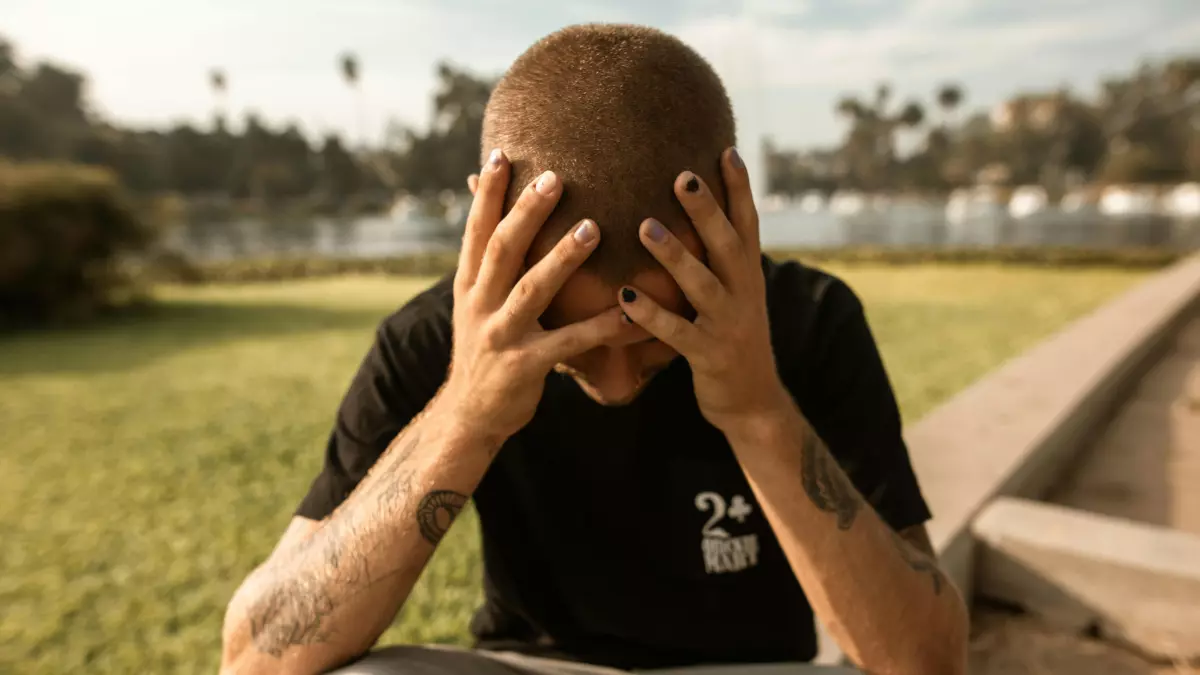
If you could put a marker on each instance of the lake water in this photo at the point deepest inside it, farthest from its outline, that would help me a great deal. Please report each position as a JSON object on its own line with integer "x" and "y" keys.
{"x": 895, "y": 225}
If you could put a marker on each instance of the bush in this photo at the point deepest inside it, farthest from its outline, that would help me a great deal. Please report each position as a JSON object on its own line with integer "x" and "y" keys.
{"x": 65, "y": 232}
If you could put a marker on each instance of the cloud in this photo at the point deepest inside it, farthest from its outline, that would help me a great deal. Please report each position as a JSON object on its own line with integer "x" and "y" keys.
{"x": 784, "y": 61}
{"x": 930, "y": 40}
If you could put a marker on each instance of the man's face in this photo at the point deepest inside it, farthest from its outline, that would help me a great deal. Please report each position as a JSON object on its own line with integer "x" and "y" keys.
{"x": 615, "y": 373}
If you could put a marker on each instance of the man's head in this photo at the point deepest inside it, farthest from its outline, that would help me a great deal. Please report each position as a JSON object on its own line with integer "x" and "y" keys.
{"x": 617, "y": 112}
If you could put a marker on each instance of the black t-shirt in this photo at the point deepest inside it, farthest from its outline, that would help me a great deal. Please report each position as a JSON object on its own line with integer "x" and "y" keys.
{"x": 629, "y": 536}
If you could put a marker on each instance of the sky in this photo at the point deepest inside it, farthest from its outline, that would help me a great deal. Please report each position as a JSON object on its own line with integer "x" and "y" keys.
{"x": 784, "y": 62}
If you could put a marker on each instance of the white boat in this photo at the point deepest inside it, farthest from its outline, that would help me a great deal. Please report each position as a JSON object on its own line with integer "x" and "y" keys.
{"x": 847, "y": 203}
{"x": 1124, "y": 200}
{"x": 1027, "y": 201}
{"x": 812, "y": 202}
{"x": 1183, "y": 201}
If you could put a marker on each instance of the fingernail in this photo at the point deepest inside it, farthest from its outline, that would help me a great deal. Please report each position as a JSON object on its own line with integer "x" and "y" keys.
{"x": 545, "y": 184}
{"x": 628, "y": 295}
{"x": 626, "y": 319}
{"x": 736, "y": 159}
{"x": 586, "y": 232}
{"x": 494, "y": 158}
{"x": 656, "y": 232}
{"x": 693, "y": 184}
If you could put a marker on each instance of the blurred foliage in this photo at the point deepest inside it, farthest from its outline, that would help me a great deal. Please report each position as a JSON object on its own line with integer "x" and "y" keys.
{"x": 1143, "y": 128}
{"x": 44, "y": 115}
{"x": 64, "y": 231}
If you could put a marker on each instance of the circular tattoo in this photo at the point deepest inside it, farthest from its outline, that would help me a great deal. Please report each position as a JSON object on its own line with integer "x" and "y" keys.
{"x": 437, "y": 512}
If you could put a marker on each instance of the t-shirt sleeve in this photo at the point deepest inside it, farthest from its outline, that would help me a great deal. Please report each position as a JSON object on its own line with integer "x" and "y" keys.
{"x": 402, "y": 371}
{"x": 853, "y": 408}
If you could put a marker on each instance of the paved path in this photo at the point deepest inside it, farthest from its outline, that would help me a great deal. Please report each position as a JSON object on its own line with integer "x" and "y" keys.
{"x": 1145, "y": 466}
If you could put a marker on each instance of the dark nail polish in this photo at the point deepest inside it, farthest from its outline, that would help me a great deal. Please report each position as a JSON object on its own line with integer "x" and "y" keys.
{"x": 736, "y": 158}
{"x": 656, "y": 231}
{"x": 693, "y": 184}
{"x": 628, "y": 295}
{"x": 626, "y": 319}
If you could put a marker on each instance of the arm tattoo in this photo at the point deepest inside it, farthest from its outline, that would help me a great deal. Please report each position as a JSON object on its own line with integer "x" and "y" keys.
{"x": 290, "y": 614}
{"x": 919, "y": 562}
{"x": 295, "y": 606}
{"x": 437, "y": 512}
{"x": 828, "y": 488}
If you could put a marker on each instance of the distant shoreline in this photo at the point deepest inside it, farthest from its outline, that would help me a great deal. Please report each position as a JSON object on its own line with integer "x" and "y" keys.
{"x": 281, "y": 268}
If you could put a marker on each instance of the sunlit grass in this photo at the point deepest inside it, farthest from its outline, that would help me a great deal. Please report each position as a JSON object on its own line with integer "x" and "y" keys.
{"x": 151, "y": 462}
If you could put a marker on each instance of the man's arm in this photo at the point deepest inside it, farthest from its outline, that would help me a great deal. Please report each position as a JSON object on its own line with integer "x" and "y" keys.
{"x": 890, "y": 608}
{"x": 881, "y": 594}
{"x": 325, "y": 597}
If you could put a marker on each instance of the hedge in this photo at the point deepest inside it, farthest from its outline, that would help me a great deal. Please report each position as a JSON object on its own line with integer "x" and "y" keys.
{"x": 64, "y": 232}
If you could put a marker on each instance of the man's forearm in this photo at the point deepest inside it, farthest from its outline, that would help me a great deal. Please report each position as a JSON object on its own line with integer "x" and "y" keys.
{"x": 889, "y": 606}
{"x": 327, "y": 598}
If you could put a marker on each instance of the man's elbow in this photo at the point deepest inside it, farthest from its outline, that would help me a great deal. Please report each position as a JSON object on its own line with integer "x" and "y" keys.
{"x": 237, "y": 642}
{"x": 245, "y": 650}
{"x": 946, "y": 641}
{"x": 239, "y": 653}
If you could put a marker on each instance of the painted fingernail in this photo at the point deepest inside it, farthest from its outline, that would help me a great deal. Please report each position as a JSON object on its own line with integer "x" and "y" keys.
{"x": 586, "y": 232}
{"x": 736, "y": 158}
{"x": 628, "y": 295}
{"x": 693, "y": 184}
{"x": 545, "y": 184}
{"x": 494, "y": 158}
{"x": 626, "y": 319}
{"x": 656, "y": 232}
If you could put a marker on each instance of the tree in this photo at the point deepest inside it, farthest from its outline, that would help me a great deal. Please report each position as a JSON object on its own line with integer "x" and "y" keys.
{"x": 442, "y": 157}
{"x": 868, "y": 155}
{"x": 219, "y": 85}
{"x": 349, "y": 66}
{"x": 949, "y": 98}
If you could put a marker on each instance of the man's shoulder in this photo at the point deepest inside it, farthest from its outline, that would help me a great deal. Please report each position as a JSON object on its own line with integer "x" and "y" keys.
{"x": 802, "y": 294}
{"x": 421, "y": 327}
{"x": 431, "y": 307}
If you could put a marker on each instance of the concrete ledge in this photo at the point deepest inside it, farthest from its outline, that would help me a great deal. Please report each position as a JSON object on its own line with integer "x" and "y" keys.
{"x": 1015, "y": 431}
{"x": 1138, "y": 584}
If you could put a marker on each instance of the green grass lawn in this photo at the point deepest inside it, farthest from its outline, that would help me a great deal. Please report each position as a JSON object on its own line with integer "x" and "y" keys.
{"x": 149, "y": 463}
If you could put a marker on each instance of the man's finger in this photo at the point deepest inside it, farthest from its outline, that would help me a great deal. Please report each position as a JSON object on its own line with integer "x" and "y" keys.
{"x": 506, "y": 250}
{"x": 486, "y": 209}
{"x": 473, "y": 183}
{"x": 558, "y": 345}
{"x": 726, "y": 254}
{"x": 537, "y": 287}
{"x": 742, "y": 213}
{"x": 699, "y": 284}
{"x": 678, "y": 333}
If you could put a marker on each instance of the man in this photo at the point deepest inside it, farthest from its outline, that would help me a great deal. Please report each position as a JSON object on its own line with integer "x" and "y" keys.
{"x": 678, "y": 448}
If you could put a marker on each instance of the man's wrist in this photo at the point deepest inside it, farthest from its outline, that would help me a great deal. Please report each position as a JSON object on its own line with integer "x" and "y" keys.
{"x": 464, "y": 428}
{"x": 764, "y": 424}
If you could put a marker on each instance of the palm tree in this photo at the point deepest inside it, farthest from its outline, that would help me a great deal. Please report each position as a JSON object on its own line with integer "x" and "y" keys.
{"x": 351, "y": 73}
{"x": 949, "y": 98}
{"x": 220, "y": 87}
{"x": 850, "y": 108}
{"x": 883, "y": 93}
{"x": 912, "y": 115}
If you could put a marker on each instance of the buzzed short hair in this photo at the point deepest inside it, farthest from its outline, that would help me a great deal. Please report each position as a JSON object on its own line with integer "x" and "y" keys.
{"x": 617, "y": 112}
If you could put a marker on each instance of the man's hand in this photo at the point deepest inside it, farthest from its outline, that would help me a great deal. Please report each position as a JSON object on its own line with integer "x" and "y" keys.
{"x": 501, "y": 354}
{"x": 729, "y": 344}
